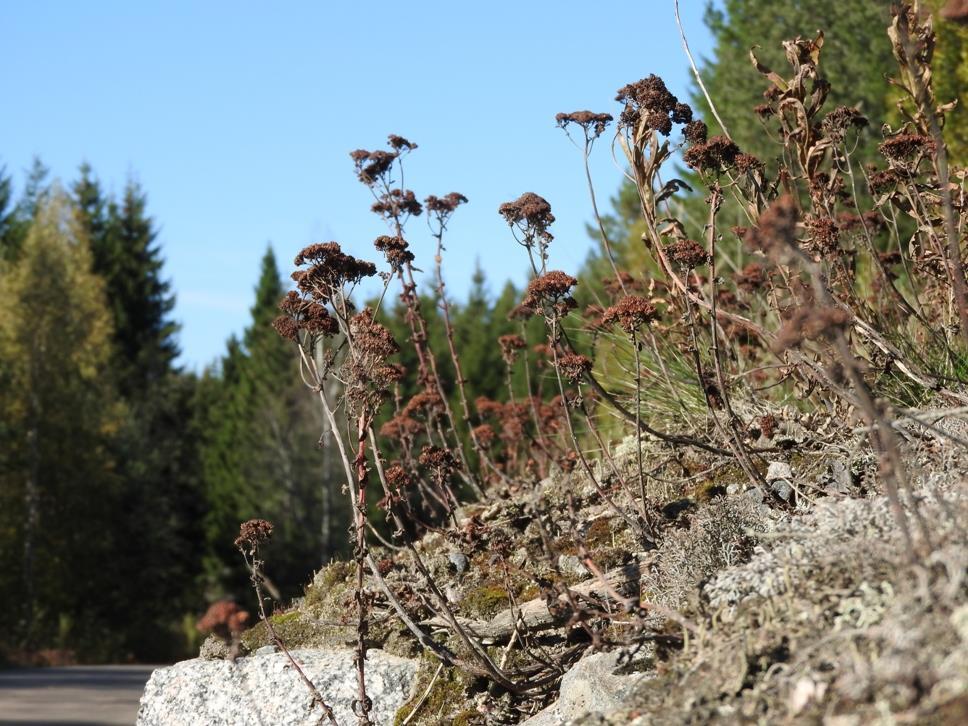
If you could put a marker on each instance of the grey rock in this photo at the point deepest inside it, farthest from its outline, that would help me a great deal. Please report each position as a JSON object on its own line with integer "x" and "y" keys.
{"x": 591, "y": 687}
{"x": 266, "y": 650}
{"x": 265, "y": 689}
{"x": 782, "y": 488}
{"x": 546, "y": 717}
{"x": 778, "y": 470}
{"x": 458, "y": 561}
{"x": 571, "y": 565}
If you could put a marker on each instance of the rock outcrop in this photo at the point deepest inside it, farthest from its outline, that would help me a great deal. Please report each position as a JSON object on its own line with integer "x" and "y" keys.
{"x": 264, "y": 689}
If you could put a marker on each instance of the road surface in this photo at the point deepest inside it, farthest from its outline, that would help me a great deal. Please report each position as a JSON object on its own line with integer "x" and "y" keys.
{"x": 71, "y": 696}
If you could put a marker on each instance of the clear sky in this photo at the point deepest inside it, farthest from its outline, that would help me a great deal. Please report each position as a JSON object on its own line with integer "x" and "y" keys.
{"x": 237, "y": 119}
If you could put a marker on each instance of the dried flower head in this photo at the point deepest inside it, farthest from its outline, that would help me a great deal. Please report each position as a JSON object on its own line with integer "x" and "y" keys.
{"x": 301, "y": 314}
{"x": 842, "y": 118}
{"x": 824, "y": 235}
{"x": 630, "y": 313}
{"x": 574, "y": 366}
{"x": 649, "y": 101}
{"x": 883, "y": 181}
{"x": 751, "y": 278}
{"x": 371, "y": 165}
{"x": 330, "y": 269}
{"x": 810, "y": 323}
{"x": 904, "y": 147}
{"x": 396, "y": 250}
{"x": 484, "y": 435}
{"x": 253, "y": 533}
{"x": 441, "y": 463}
{"x": 687, "y": 253}
{"x": 551, "y": 291}
{"x": 510, "y": 345}
{"x": 529, "y": 209}
{"x": 715, "y": 155}
{"x": 397, "y": 477}
{"x": 777, "y": 228}
{"x": 397, "y": 203}
{"x": 695, "y": 132}
{"x": 446, "y": 204}
{"x": 223, "y": 618}
{"x": 593, "y": 124}
{"x": 399, "y": 143}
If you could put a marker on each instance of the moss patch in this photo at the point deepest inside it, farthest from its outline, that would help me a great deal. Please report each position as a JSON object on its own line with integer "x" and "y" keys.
{"x": 447, "y": 701}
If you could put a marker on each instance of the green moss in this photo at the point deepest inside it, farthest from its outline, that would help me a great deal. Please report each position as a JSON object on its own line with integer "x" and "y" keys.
{"x": 297, "y": 631}
{"x": 485, "y": 601}
{"x": 447, "y": 701}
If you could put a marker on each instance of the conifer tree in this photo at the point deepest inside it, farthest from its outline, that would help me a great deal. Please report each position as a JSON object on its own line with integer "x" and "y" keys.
{"x": 59, "y": 490}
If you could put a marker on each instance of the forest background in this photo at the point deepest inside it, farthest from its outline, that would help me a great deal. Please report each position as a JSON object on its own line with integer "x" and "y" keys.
{"x": 124, "y": 477}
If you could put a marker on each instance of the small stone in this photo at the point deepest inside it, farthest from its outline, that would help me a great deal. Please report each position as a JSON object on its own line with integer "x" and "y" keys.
{"x": 453, "y": 595}
{"x": 213, "y": 648}
{"x": 458, "y": 560}
{"x": 778, "y": 470}
{"x": 734, "y": 489}
{"x": 571, "y": 565}
{"x": 782, "y": 488}
{"x": 265, "y": 650}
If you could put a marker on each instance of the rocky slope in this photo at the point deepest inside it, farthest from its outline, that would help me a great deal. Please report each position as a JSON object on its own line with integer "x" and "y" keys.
{"x": 801, "y": 602}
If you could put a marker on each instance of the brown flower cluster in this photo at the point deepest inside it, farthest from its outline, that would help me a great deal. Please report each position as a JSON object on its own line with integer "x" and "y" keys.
{"x": 445, "y": 205}
{"x": 400, "y": 144}
{"x": 510, "y": 345}
{"x": 371, "y": 165}
{"x": 427, "y": 403}
{"x": 777, "y": 228}
{"x": 330, "y": 269}
{"x": 396, "y": 250}
{"x": 397, "y": 477}
{"x": 837, "y": 122}
{"x": 649, "y": 101}
{"x": 810, "y": 323}
{"x": 904, "y": 147}
{"x": 529, "y": 210}
{"x": 441, "y": 462}
{"x": 695, "y": 132}
{"x": 630, "y": 313}
{"x": 748, "y": 164}
{"x": 751, "y": 278}
{"x": 396, "y": 203}
{"x": 882, "y": 181}
{"x": 574, "y": 366}
{"x": 594, "y": 124}
{"x": 687, "y": 253}
{"x": 365, "y": 372}
{"x": 824, "y": 235}
{"x": 484, "y": 435}
{"x": 871, "y": 220}
{"x": 715, "y": 155}
{"x": 301, "y": 314}
{"x": 253, "y": 533}
{"x": 223, "y": 618}
{"x": 551, "y": 290}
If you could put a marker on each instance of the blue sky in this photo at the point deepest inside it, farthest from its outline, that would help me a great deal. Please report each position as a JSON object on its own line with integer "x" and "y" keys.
{"x": 237, "y": 118}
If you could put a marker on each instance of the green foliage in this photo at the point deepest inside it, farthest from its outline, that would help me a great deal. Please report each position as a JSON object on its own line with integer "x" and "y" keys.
{"x": 856, "y": 55}
{"x": 58, "y": 483}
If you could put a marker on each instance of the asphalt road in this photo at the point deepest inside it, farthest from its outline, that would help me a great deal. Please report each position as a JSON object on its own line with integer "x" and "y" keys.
{"x": 72, "y": 695}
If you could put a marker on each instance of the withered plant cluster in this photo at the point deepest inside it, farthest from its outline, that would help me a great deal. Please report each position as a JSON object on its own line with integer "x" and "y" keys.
{"x": 844, "y": 292}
